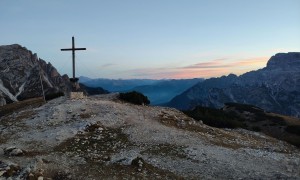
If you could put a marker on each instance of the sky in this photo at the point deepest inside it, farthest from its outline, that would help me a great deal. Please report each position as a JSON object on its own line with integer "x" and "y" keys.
{"x": 153, "y": 39}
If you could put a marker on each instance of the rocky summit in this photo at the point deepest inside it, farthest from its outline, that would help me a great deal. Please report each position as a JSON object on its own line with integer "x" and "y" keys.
{"x": 101, "y": 137}
{"x": 21, "y": 74}
{"x": 275, "y": 88}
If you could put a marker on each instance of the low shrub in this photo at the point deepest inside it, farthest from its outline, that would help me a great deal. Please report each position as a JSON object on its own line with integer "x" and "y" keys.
{"x": 256, "y": 128}
{"x": 215, "y": 117}
{"x": 134, "y": 98}
{"x": 294, "y": 129}
{"x": 53, "y": 95}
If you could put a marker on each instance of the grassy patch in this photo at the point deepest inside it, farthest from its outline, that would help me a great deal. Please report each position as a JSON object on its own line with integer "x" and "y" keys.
{"x": 134, "y": 98}
{"x": 215, "y": 136}
{"x": 16, "y": 120}
{"x": 53, "y": 95}
{"x": 3, "y": 140}
{"x": 216, "y": 117}
{"x": 97, "y": 144}
{"x": 118, "y": 171}
{"x": 169, "y": 150}
{"x": 17, "y": 106}
{"x": 294, "y": 129}
{"x": 251, "y": 118}
{"x": 85, "y": 115}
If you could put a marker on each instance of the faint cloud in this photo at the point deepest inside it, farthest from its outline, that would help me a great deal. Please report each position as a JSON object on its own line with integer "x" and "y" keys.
{"x": 212, "y": 68}
{"x": 107, "y": 65}
{"x": 250, "y": 62}
{"x": 216, "y": 63}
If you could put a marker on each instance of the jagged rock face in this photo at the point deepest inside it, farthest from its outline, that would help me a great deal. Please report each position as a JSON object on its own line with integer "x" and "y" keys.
{"x": 275, "y": 88}
{"x": 21, "y": 73}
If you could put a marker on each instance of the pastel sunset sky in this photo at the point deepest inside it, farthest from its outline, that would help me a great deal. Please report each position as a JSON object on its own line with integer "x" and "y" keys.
{"x": 153, "y": 39}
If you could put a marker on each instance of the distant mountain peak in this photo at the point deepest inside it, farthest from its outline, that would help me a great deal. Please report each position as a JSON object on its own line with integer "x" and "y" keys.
{"x": 21, "y": 73}
{"x": 275, "y": 88}
{"x": 284, "y": 60}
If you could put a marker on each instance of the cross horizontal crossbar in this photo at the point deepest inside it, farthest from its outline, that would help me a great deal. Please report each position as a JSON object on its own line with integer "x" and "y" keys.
{"x": 72, "y": 49}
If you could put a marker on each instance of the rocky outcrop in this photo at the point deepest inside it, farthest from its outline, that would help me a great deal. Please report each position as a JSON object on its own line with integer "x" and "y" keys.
{"x": 2, "y": 100}
{"x": 21, "y": 74}
{"x": 275, "y": 88}
{"x": 101, "y": 137}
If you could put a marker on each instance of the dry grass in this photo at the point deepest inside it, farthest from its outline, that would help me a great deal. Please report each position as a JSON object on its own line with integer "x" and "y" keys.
{"x": 99, "y": 143}
{"x": 17, "y": 106}
{"x": 85, "y": 115}
{"x": 17, "y": 119}
{"x": 218, "y": 137}
{"x": 119, "y": 171}
{"x": 288, "y": 119}
{"x": 3, "y": 140}
{"x": 169, "y": 150}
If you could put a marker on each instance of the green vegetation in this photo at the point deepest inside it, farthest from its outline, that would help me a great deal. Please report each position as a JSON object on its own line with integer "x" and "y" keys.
{"x": 256, "y": 128}
{"x": 294, "y": 129}
{"x": 53, "y": 95}
{"x": 251, "y": 118}
{"x": 17, "y": 106}
{"x": 245, "y": 107}
{"x": 216, "y": 117}
{"x": 258, "y": 113}
{"x": 134, "y": 98}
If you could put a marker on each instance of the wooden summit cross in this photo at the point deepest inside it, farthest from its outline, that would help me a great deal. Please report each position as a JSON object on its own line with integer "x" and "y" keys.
{"x": 73, "y": 49}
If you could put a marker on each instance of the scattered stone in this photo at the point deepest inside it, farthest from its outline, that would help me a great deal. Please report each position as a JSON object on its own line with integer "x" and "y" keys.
{"x": 13, "y": 151}
{"x": 31, "y": 176}
{"x": 8, "y": 169}
{"x": 63, "y": 175}
{"x": 106, "y": 158}
{"x": 138, "y": 162}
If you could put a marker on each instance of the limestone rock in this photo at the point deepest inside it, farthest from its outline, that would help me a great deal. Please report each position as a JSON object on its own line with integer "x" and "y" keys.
{"x": 20, "y": 72}
{"x": 2, "y": 101}
{"x": 13, "y": 151}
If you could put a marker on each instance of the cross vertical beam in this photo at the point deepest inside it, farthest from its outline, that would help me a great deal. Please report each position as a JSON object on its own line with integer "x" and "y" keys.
{"x": 73, "y": 56}
{"x": 73, "y": 49}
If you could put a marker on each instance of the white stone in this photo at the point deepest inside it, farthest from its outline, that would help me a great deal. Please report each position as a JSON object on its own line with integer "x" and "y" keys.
{"x": 76, "y": 95}
{"x": 16, "y": 152}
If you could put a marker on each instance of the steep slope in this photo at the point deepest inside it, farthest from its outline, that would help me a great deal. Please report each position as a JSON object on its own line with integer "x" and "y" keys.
{"x": 103, "y": 138}
{"x": 21, "y": 73}
{"x": 250, "y": 117}
{"x": 92, "y": 90}
{"x": 275, "y": 88}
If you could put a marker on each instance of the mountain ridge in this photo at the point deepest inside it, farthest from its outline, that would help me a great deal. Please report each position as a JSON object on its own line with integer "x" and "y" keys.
{"x": 22, "y": 72}
{"x": 274, "y": 88}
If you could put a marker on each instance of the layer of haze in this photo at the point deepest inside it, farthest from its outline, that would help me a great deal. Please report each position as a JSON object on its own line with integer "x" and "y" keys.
{"x": 154, "y": 38}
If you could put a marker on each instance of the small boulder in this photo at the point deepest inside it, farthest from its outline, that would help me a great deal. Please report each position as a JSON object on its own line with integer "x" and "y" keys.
{"x": 139, "y": 163}
{"x": 13, "y": 151}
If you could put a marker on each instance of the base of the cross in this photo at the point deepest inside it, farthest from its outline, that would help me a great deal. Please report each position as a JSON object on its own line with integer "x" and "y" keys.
{"x": 74, "y": 80}
{"x": 75, "y": 84}
{"x": 76, "y": 95}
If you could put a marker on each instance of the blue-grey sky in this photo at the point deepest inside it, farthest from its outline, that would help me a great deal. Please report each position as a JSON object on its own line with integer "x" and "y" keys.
{"x": 153, "y": 38}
